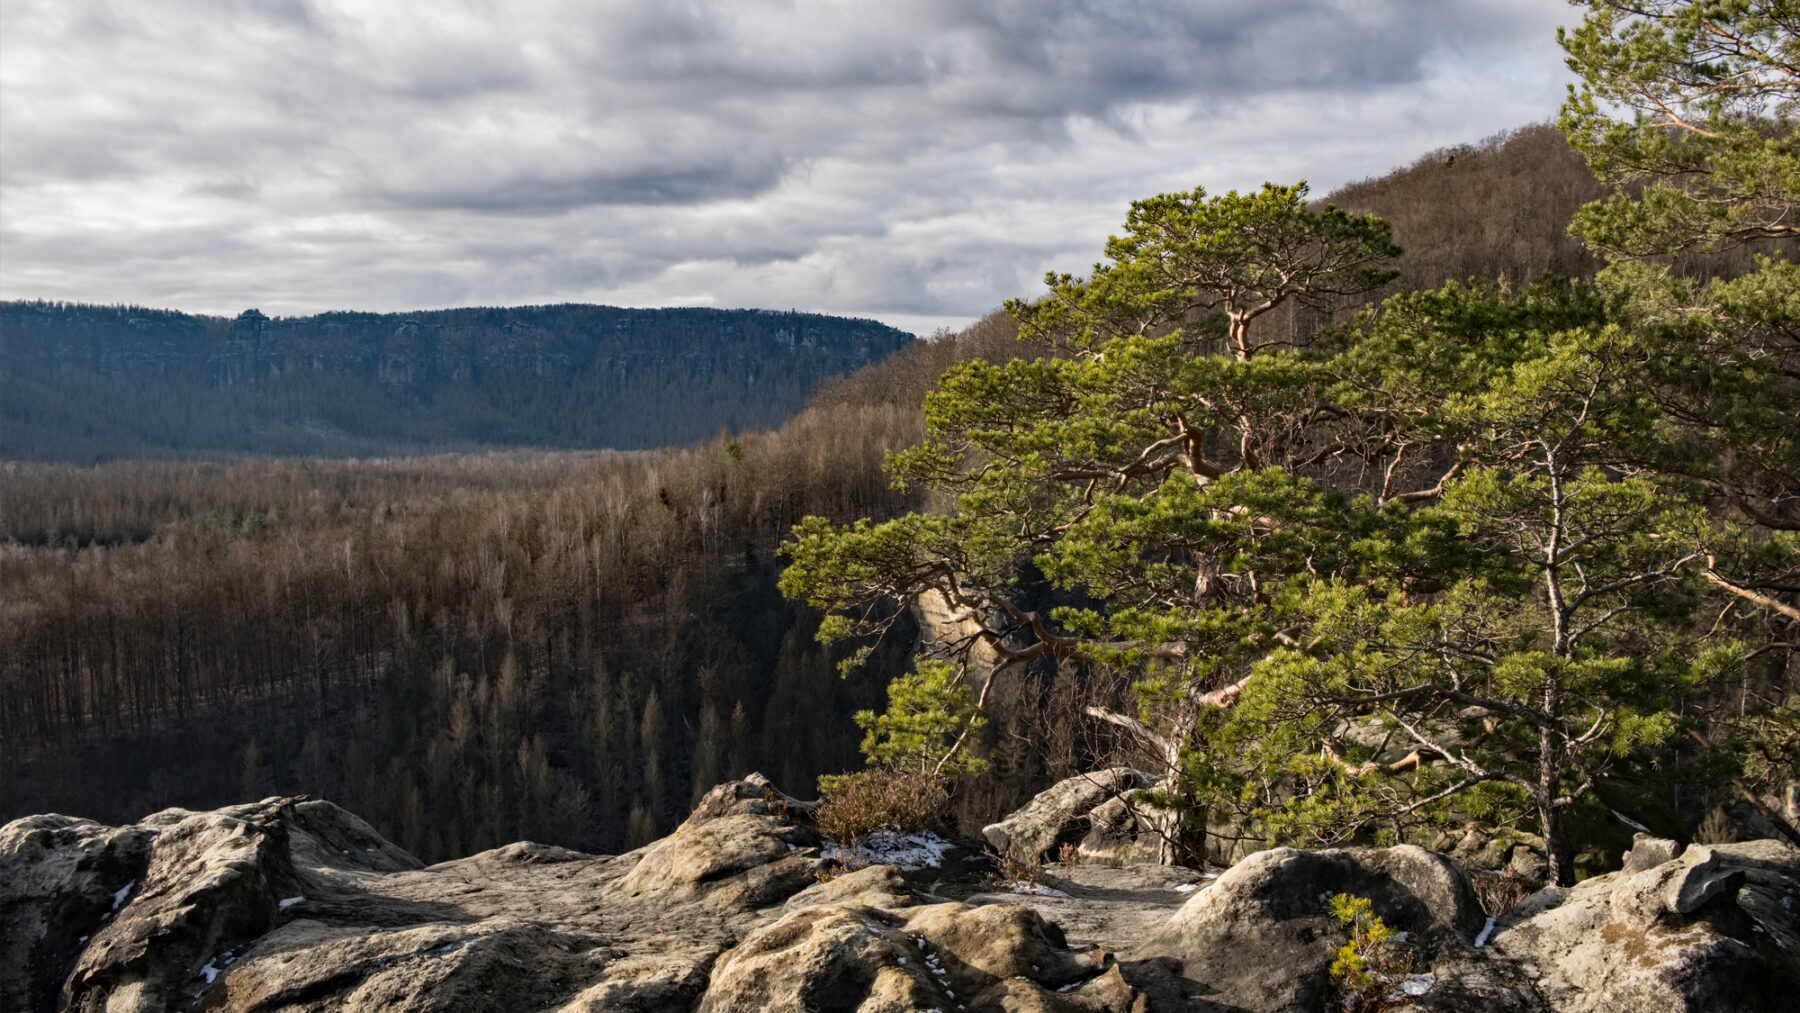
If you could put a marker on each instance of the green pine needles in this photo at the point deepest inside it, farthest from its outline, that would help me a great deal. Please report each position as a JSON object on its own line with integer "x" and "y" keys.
{"x": 1372, "y": 962}
{"x": 1512, "y": 554}
{"x": 930, "y": 718}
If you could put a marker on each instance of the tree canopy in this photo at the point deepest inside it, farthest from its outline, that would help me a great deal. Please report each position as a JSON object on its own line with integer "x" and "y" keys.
{"x": 1707, "y": 155}
{"x": 1479, "y": 553}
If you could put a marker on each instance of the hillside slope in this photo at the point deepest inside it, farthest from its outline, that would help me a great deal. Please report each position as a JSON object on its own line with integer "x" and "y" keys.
{"x": 86, "y": 382}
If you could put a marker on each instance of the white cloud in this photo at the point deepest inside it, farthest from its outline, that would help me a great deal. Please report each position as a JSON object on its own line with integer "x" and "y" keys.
{"x": 918, "y": 160}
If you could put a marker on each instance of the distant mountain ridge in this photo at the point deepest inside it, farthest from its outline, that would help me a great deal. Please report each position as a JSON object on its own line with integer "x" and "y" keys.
{"x": 85, "y": 382}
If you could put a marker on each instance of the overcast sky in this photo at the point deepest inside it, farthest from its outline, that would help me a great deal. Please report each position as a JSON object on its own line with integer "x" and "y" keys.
{"x": 915, "y": 161}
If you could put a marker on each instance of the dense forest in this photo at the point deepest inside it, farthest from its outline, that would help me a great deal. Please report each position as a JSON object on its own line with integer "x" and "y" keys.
{"x": 563, "y": 646}
{"x": 86, "y": 383}
{"x": 474, "y": 648}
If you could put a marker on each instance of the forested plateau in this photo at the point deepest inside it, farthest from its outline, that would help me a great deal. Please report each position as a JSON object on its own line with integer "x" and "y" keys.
{"x": 85, "y": 383}
{"x": 567, "y": 647}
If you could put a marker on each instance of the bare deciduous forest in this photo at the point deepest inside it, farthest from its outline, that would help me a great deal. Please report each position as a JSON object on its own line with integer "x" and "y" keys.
{"x": 472, "y": 648}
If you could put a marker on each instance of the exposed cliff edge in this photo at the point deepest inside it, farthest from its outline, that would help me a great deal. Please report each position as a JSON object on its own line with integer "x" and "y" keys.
{"x": 294, "y": 904}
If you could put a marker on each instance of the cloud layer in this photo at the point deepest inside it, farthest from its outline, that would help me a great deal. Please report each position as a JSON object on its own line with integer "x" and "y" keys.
{"x": 917, "y": 161}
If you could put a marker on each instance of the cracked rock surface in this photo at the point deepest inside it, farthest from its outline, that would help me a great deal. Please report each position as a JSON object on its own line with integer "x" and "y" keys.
{"x": 1713, "y": 928}
{"x": 297, "y": 905}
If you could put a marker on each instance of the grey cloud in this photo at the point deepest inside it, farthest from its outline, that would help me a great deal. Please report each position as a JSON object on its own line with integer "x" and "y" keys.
{"x": 922, "y": 158}
{"x": 531, "y": 195}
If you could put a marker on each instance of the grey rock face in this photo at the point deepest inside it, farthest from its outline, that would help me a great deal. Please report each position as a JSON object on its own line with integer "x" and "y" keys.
{"x": 294, "y": 905}
{"x": 941, "y": 956}
{"x": 61, "y": 880}
{"x": 1121, "y": 833}
{"x": 1520, "y": 853}
{"x": 213, "y": 880}
{"x": 1060, "y": 814}
{"x": 1647, "y": 853}
{"x": 1713, "y": 928}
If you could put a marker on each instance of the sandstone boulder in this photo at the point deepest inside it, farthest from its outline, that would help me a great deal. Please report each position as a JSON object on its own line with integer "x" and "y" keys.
{"x": 1483, "y": 849}
{"x": 877, "y": 885}
{"x": 736, "y": 861}
{"x": 753, "y": 795}
{"x": 1711, "y": 928}
{"x": 295, "y": 905}
{"x": 1122, "y": 832}
{"x": 214, "y": 880}
{"x": 1060, "y": 814}
{"x": 943, "y": 956}
{"x": 1262, "y": 936}
{"x": 61, "y": 880}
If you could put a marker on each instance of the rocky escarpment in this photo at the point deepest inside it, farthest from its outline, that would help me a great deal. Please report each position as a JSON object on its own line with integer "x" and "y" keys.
{"x": 293, "y": 904}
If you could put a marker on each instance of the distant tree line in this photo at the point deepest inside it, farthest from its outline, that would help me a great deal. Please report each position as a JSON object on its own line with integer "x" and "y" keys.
{"x": 86, "y": 383}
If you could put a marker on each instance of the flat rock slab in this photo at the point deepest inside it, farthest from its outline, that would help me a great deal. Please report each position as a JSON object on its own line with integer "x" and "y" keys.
{"x": 1112, "y": 908}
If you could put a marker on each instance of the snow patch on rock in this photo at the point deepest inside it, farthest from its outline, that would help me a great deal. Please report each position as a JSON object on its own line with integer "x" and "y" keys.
{"x": 922, "y": 850}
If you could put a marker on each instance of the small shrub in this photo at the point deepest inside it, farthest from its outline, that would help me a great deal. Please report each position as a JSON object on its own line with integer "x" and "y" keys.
{"x": 856, "y": 805}
{"x": 1012, "y": 869}
{"x": 1716, "y": 828}
{"x": 1068, "y": 854}
{"x": 930, "y": 713}
{"x": 1371, "y": 965}
{"x": 1500, "y": 892}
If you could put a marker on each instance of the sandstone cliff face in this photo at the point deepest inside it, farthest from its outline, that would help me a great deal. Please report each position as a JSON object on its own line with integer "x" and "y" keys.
{"x": 292, "y": 904}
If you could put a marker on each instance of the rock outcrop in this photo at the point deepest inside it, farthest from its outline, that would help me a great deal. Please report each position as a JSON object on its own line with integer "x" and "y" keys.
{"x": 295, "y": 905}
{"x": 1060, "y": 814}
{"x": 61, "y": 880}
{"x": 1262, "y": 937}
{"x": 1710, "y": 928}
{"x": 1517, "y": 853}
{"x": 291, "y": 904}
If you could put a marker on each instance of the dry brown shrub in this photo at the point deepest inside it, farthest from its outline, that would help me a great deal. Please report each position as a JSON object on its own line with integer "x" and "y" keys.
{"x": 1500, "y": 892}
{"x": 1716, "y": 828}
{"x": 1011, "y": 869}
{"x": 856, "y": 805}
